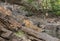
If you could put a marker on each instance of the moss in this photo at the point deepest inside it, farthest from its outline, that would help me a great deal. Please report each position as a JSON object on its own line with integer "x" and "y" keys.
{"x": 57, "y": 13}
{"x": 20, "y": 33}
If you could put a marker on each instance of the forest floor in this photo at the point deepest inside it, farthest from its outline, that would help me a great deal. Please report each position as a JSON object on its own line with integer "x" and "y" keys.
{"x": 51, "y": 25}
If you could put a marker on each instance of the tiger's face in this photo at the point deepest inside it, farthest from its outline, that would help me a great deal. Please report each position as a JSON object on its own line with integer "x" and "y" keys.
{"x": 29, "y": 24}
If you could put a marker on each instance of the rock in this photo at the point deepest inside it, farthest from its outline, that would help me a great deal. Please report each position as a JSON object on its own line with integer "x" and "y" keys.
{"x": 15, "y": 38}
{"x": 7, "y": 33}
{"x": 1, "y": 39}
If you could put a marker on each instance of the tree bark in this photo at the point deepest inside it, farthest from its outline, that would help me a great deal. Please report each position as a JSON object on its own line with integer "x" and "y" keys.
{"x": 38, "y": 35}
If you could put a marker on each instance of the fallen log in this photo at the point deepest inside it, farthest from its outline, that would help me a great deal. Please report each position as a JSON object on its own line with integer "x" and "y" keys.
{"x": 33, "y": 38}
{"x": 10, "y": 24}
{"x": 38, "y": 35}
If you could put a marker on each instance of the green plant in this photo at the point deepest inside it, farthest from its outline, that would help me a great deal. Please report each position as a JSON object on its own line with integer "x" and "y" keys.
{"x": 20, "y": 33}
